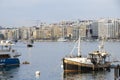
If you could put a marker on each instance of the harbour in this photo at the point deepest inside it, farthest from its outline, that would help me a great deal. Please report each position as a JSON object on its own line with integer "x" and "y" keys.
{"x": 46, "y": 57}
{"x": 59, "y": 40}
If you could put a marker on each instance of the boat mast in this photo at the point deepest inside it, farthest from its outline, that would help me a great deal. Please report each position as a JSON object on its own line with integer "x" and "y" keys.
{"x": 79, "y": 54}
{"x": 101, "y": 46}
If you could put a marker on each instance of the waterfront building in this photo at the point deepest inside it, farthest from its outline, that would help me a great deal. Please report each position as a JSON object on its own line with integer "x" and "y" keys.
{"x": 2, "y": 31}
{"x": 1, "y": 36}
{"x": 108, "y": 28}
{"x": 10, "y": 33}
{"x": 56, "y": 31}
{"x": 94, "y": 28}
{"x": 76, "y": 33}
{"x": 25, "y": 33}
{"x": 47, "y": 33}
{"x": 36, "y": 33}
{"x": 85, "y": 29}
{"x": 69, "y": 31}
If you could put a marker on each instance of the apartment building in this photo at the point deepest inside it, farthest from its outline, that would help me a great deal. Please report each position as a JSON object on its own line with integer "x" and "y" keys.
{"x": 108, "y": 28}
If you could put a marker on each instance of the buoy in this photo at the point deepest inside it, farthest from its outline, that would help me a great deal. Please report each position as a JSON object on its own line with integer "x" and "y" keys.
{"x": 61, "y": 66}
{"x": 37, "y": 73}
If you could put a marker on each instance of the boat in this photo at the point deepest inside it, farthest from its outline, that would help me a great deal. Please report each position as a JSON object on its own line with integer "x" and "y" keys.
{"x": 8, "y": 56}
{"x": 62, "y": 39}
{"x": 30, "y": 43}
{"x": 97, "y": 60}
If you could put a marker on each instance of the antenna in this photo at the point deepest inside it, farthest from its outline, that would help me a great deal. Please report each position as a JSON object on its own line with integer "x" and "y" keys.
{"x": 79, "y": 50}
{"x": 101, "y": 46}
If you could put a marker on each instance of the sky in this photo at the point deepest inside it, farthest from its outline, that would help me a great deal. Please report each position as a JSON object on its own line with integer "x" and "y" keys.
{"x": 17, "y": 13}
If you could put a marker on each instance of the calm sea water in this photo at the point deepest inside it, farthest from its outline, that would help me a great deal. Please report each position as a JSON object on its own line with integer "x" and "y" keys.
{"x": 46, "y": 57}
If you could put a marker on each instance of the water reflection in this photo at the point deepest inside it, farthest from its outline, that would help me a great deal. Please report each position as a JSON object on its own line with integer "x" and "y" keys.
{"x": 28, "y": 57}
{"x": 8, "y": 73}
{"x": 103, "y": 75}
{"x": 29, "y": 53}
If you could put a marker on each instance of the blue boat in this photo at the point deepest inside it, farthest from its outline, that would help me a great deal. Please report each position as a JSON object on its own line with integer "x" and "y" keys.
{"x": 8, "y": 56}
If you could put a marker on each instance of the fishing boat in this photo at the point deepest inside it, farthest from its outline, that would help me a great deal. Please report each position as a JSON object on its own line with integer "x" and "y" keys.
{"x": 96, "y": 61}
{"x": 8, "y": 56}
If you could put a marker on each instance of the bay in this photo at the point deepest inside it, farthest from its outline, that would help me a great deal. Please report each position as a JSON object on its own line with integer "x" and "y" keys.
{"x": 46, "y": 57}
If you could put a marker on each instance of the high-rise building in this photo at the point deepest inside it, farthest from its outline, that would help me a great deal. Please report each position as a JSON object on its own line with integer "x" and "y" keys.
{"x": 108, "y": 28}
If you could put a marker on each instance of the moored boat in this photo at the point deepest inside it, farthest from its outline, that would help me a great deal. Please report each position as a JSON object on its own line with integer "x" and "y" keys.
{"x": 30, "y": 43}
{"x": 62, "y": 39}
{"x": 8, "y": 56}
{"x": 96, "y": 61}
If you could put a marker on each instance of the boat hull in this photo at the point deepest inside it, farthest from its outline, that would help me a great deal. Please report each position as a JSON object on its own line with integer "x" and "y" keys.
{"x": 29, "y": 45}
{"x": 9, "y": 62}
{"x": 72, "y": 66}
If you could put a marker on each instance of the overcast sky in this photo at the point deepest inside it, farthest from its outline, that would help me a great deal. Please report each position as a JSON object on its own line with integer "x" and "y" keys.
{"x": 30, "y": 12}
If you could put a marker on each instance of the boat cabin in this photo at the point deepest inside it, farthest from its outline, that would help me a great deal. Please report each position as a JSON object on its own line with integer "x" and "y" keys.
{"x": 98, "y": 57}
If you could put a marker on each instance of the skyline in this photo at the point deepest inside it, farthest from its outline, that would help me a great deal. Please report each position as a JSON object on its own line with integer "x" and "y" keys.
{"x": 19, "y": 13}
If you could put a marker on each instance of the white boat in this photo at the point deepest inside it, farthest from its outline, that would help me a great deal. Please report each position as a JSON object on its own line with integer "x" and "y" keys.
{"x": 96, "y": 60}
{"x": 8, "y": 56}
{"x": 62, "y": 40}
